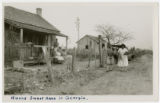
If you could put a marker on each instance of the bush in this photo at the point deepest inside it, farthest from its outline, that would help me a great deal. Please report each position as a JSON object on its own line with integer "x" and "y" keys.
{"x": 137, "y": 52}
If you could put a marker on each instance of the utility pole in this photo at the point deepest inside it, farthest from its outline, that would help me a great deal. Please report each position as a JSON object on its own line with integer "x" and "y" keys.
{"x": 77, "y": 27}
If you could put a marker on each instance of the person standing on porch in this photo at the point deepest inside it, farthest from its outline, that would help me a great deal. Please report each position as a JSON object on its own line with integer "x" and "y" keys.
{"x": 123, "y": 58}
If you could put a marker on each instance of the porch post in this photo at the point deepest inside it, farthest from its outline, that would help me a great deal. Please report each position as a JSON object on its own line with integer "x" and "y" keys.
{"x": 66, "y": 43}
{"x": 21, "y": 35}
{"x": 49, "y": 44}
{"x": 21, "y": 48}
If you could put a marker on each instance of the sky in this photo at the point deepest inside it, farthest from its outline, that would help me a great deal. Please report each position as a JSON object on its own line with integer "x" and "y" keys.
{"x": 136, "y": 19}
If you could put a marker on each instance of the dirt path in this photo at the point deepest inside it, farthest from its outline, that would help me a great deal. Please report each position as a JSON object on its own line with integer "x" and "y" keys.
{"x": 95, "y": 81}
{"x": 138, "y": 80}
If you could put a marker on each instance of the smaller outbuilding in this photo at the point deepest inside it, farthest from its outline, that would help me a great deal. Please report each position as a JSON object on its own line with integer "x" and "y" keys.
{"x": 89, "y": 42}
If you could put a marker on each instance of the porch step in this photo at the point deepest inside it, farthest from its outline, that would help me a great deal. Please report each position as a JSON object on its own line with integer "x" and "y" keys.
{"x": 29, "y": 62}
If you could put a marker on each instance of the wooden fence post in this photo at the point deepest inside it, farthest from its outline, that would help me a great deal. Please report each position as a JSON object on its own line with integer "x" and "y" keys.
{"x": 95, "y": 53}
{"x": 73, "y": 60}
{"x": 89, "y": 53}
{"x": 49, "y": 67}
{"x": 48, "y": 61}
{"x": 100, "y": 51}
{"x": 89, "y": 57}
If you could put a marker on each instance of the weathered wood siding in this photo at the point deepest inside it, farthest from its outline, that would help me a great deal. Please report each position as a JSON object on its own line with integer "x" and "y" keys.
{"x": 87, "y": 41}
{"x": 11, "y": 51}
{"x": 12, "y": 43}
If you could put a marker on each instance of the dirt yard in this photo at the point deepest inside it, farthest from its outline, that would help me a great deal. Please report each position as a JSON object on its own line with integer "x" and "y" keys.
{"x": 86, "y": 81}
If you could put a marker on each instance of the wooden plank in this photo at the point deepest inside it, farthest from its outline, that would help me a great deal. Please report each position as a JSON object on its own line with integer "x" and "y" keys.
{"x": 40, "y": 46}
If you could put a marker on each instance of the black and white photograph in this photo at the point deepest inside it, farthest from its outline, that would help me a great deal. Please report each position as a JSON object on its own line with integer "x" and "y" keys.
{"x": 79, "y": 49}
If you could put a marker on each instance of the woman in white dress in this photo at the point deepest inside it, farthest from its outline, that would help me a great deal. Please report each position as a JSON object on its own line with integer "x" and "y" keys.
{"x": 123, "y": 58}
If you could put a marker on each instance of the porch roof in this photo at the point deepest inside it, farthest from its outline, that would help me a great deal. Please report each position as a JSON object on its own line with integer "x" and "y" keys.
{"x": 24, "y": 19}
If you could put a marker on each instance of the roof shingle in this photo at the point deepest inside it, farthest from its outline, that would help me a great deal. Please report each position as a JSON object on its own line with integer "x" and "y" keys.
{"x": 27, "y": 19}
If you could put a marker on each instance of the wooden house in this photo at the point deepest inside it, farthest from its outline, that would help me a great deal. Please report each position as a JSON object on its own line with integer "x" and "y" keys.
{"x": 25, "y": 33}
{"x": 89, "y": 42}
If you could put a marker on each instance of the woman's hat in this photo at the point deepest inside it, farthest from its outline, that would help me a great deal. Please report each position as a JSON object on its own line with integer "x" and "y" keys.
{"x": 123, "y": 45}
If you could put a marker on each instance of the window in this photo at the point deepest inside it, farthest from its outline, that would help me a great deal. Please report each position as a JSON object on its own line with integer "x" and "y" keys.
{"x": 103, "y": 45}
{"x": 86, "y": 46}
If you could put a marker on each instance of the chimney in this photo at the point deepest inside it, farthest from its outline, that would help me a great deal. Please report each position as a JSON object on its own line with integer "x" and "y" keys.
{"x": 39, "y": 11}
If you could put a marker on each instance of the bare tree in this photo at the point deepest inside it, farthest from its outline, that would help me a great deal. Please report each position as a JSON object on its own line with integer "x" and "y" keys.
{"x": 113, "y": 35}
